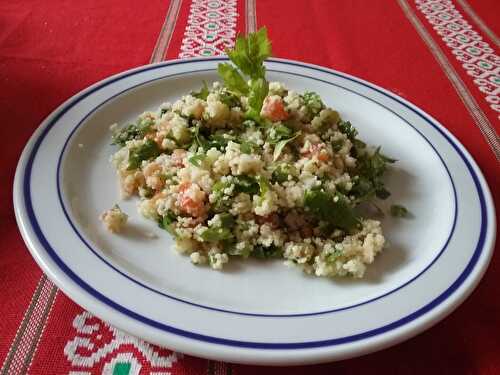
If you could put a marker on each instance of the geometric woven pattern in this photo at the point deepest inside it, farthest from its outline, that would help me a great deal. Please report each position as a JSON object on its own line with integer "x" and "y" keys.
{"x": 211, "y": 28}
{"x": 100, "y": 348}
{"x": 476, "y": 56}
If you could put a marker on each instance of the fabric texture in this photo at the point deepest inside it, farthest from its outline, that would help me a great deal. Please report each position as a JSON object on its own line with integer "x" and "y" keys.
{"x": 441, "y": 55}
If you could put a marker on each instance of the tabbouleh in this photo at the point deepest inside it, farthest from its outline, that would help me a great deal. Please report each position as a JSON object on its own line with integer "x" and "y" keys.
{"x": 247, "y": 168}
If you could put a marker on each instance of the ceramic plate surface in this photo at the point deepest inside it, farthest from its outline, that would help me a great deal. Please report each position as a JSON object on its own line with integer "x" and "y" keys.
{"x": 254, "y": 312}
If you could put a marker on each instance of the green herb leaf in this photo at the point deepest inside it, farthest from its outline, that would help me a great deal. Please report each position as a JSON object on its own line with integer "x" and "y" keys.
{"x": 270, "y": 252}
{"x": 220, "y": 204}
{"x": 337, "y": 145}
{"x": 249, "y": 53}
{"x": 382, "y": 193}
{"x": 278, "y": 132}
{"x": 197, "y": 160}
{"x": 203, "y": 93}
{"x": 144, "y": 126}
{"x": 146, "y": 151}
{"x": 313, "y": 103}
{"x": 121, "y": 137}
{"x": 331, "y": 258}
{"x": 199, "y": 140}
{"x": 246, "y": 184}
{"x": 263, "y": 185}
{"x": 282, "y": 171}
{"x": 132, "y": 131}
{"x": 368, "y": 181}
{"x": 259, "y": 47}
{"x": 278, "y": 148}
{"x": 231, "y": 249}
{"x": 347, "y": 128}
{"x": 248, "y": 147}
{"x": 359, "y": 144}
{"x": 227, "y": 220}
{"x": 166, "y": 222}
{"x": 218, "y": 141}
{"x": 385, "y": 158}
{"x": 259, "y": 89}
{"x": 229, "y": 99}
{"x": 333, "y": 209}
{"x": 399, "y": 211}
{"x": 232, "y": 79}
{"x": 216, "y": 234}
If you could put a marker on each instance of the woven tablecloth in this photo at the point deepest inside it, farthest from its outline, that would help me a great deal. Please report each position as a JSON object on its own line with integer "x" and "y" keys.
{"x": 441, "y": 55}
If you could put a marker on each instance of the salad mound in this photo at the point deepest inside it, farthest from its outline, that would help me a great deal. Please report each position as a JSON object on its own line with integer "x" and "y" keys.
{"x": 249, "y": 168}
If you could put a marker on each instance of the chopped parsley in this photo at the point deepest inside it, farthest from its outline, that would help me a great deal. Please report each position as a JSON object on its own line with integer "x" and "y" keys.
{"x": 166, "y": 222}
{"x": 270, "y": 252}
{"x": 368, "y": 179}
{"x": 197, "y": 160}
{"x": 132, "y": 131}
{"x": 313, "y": 103}
{"x": 347, "y": 128}
{"x": 333, "y": 209}
{"x": 203, "y": 93}
{"x": 146, "y": 151}
{"x": 248, "y": 147}
{"x": 214, "y": 234}
{"x": 399, "y": 211}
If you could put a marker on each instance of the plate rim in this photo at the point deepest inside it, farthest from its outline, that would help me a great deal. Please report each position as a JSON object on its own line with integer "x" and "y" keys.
{"x": 481, "y": 186}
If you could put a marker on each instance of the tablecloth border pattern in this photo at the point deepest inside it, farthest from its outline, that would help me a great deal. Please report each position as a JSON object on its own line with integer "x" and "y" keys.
{"x": 458, "y": 84}
{"x": 167, "y": 29}
{"x": 88, "y": 337}
{"x": 210, "y": 29}
{"x": 474, "y": 55}
{"x": 479, "y": 22}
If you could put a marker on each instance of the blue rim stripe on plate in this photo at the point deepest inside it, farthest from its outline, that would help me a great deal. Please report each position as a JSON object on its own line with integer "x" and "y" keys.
{"x": 96, "y": 253}
{"x": 257, "y": 345}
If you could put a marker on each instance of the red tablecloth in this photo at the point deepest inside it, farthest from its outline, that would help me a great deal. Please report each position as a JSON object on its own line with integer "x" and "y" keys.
{"x": 441, "y": 55}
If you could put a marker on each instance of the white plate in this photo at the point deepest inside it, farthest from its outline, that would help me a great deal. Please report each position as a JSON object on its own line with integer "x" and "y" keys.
{"x": 254, "y": 312}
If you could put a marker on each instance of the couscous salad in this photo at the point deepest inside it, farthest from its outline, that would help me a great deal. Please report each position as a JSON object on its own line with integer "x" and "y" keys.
{"x": 248, "y": 168}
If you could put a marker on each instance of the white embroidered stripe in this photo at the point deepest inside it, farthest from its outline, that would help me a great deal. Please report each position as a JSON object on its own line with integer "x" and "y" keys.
{"x": 166, "y": 32}
{"x": 210, "y": 29}
{"x": 476, "y": 56}
{"x": 25, "y": 343}
{"x": 250, "y": 16}
{"x": 479, "y": 22}
{"x": 463, "y": 92}
{"x": 87, "y": 349}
